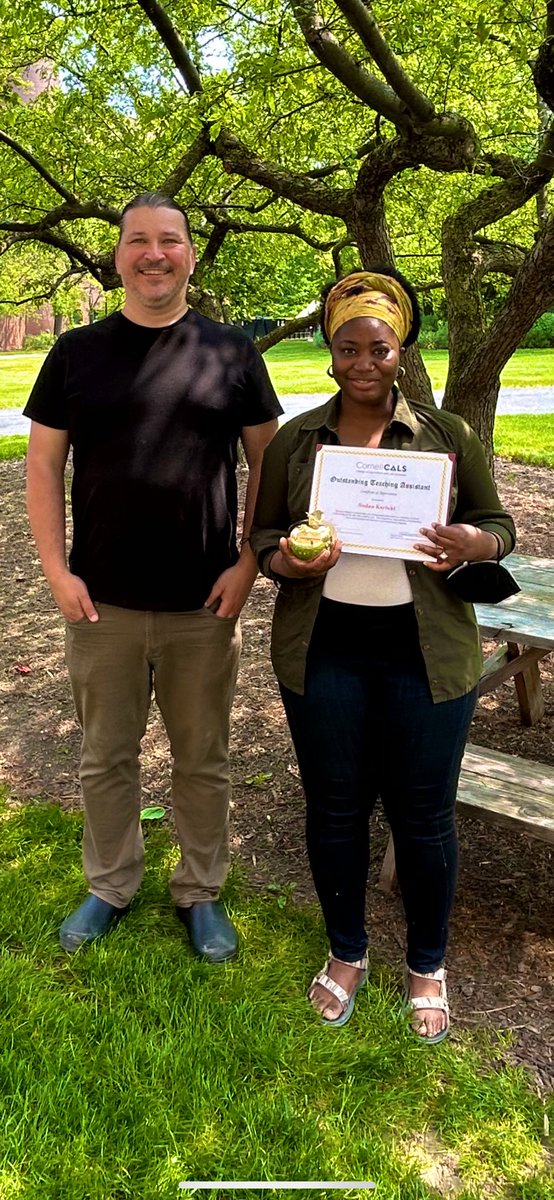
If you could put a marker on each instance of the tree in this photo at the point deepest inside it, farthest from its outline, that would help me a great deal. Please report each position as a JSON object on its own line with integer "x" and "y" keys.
{"x": 316, "y": 127}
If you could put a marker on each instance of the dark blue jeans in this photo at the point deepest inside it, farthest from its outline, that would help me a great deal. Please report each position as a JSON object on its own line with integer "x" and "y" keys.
{"x": 367, "y": 727}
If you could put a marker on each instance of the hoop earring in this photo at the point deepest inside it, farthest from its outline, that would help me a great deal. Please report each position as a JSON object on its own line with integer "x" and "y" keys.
{"x": 330, "y": 371}
{"x": 400, "y": 372}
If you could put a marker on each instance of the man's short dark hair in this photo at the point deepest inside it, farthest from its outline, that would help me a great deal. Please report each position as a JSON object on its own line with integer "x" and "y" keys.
{"x": 154, "y": 200}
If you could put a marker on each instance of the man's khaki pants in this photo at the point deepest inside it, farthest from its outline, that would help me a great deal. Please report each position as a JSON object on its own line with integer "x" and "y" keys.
{"x": 189, "y": 660}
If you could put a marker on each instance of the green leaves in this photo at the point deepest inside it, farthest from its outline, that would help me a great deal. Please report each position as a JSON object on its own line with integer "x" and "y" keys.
{"x": 116, "y": 119}
{"x": 154, "y": 813}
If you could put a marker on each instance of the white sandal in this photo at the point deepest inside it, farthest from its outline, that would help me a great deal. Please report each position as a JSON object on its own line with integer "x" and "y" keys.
{"x": 346, "y": 1000}
{"x": 413, "y": 1003}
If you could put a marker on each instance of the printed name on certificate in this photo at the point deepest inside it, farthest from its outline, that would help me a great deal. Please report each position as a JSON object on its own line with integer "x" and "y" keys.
{"x": 378, "y": 500}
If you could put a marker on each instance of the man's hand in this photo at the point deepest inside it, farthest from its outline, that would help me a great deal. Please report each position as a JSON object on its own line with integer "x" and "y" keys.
{"x": 455, "y": 544}
{"x": 231, "y": 591}
{"x": 284, "y": 562}
{"x": 72, "y": 598}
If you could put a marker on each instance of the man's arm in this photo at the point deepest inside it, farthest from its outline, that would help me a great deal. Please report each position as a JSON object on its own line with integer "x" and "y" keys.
{"x": 254, "y": 438}
{"x": 46, "y": 459}
{"x": 233, "y": 587}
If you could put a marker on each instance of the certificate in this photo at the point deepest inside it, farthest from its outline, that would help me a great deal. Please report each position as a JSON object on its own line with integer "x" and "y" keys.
{"x": 378, "y": 500}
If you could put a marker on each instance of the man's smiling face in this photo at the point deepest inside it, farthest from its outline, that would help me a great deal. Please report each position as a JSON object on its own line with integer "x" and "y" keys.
{"x": 155, "y": 260}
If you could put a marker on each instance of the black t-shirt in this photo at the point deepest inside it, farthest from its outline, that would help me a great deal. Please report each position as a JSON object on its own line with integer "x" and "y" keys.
{"x": 154, "y": 417}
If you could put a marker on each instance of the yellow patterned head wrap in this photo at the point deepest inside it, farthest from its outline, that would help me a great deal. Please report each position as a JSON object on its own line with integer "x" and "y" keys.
{"x": 378, "y": 296}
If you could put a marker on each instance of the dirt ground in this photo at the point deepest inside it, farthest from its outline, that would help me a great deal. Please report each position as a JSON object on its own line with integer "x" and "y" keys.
{"x": 501, "y": 957}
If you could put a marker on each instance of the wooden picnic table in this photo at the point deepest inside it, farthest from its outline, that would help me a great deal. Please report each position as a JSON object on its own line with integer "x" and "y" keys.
{"x": 504, "y": 788}
{"x": 524, "y": 625}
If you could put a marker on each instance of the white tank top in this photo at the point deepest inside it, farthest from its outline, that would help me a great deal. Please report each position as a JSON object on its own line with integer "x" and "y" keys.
{"x": 363, "y": 579}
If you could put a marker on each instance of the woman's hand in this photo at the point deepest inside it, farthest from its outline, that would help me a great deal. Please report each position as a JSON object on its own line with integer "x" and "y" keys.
{"x": 455, "y": 544}
{"x": 284, "y": 562}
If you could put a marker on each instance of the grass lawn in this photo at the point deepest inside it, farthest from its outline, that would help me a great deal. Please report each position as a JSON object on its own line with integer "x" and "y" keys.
{"x": 131, "y": 1066}
{"x": 17, "y": 375}
{"x": 528, "y": 438}
{"x": 13, "y": 446}
{"x": 296, "y": 367}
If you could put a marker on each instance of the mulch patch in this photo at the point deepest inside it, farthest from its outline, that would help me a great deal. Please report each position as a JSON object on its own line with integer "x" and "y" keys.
{"x": 501, "y": 957}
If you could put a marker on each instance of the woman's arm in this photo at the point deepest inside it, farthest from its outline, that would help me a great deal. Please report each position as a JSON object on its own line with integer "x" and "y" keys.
{"x": 271, "y": 514}
{"x": 480, "y": 527}
{"x": 272, "y": 518}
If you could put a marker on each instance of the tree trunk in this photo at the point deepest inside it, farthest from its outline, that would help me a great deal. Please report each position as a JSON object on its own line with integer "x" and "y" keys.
{"x": 478, "y": 355}
{"x": 12, "y": 332}
{"x": 477, "y": 406}
{"x": 416, "y": 383}
{"x": 473, "y": 400}
{"x": 472, "y": 395}
{"x": 368, "y": 227}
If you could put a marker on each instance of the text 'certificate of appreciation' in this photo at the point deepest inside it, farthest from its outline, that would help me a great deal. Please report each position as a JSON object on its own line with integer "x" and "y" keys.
{"x": 378, "y": 500}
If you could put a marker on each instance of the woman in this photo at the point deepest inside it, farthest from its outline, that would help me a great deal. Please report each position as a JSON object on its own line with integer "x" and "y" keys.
{"x": 377, "y": 660}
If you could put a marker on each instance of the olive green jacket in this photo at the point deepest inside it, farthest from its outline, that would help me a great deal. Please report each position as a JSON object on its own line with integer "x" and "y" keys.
{"x": 447, "y": 626}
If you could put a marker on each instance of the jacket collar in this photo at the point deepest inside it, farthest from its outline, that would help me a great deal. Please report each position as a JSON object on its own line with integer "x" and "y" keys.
{"x": 328, "y": 414}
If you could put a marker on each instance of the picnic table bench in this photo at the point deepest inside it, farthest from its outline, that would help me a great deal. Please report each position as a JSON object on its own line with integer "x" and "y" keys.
{"x": 524, "y": 625}
{"x": 502, "y": 788}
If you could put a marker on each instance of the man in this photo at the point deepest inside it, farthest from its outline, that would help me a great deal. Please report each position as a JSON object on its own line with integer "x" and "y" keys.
{"x": 152, "y": 400}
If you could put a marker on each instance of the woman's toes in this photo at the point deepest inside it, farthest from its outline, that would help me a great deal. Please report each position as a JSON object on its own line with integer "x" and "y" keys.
{"x": 324, "y": 1004}
{"x": 428, "y": 1022}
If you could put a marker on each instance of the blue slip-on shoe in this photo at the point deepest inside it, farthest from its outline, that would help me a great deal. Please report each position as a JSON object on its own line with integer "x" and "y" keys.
{"x": 211, "y": 934}
{"x": 89, "y": 922}
{"x": 346, "y": 999}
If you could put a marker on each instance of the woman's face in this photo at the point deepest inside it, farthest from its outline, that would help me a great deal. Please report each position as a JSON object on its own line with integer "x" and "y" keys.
{"x": 366, "y": 356}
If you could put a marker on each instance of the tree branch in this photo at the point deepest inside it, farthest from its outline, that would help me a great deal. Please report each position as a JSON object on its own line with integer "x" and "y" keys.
{"x": 503, "y": 198}
{"x": 251, "y": 208}
{"x": 344, "y": 67}
{"x": 501, "y": 258}
{"x": 284, "y": 331}
{"x": 361, "y": 19}
{"x": 213, "y": 246}
{"x": 368, "y": 88}
{"x": 76, "y": 271}
{"x": 300, "y": 188}
{"x": 543, "y": 67}
{"x": 361, "y": 152}
{"x": 38, "y": 167}
{"x": 531, "y": 294}
{"x": 74, "y": 211}
{"x": 336, "y": 254}
{"x": 502, "y": 165}
{"x": 101, "y": 268}
{"x": 175, "y": 47}
{"x": 464, "y": 263}
{"x": 422, "y": 288}
{"x": 290, "y": 230}
{"x": 241, "y": 12}
{"x": 173, "y": 182}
